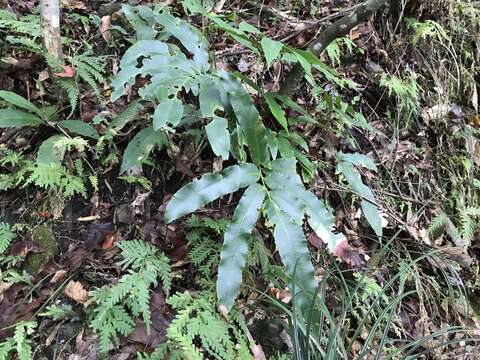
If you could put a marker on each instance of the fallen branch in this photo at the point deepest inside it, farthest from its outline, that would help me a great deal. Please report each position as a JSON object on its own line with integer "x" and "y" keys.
{"x": 340, "y": 28}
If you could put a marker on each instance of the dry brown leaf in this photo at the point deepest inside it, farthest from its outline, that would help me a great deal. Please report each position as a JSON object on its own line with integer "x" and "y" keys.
{"x": 75, "y": 291}
{"x": 68, "y": 72}
{"x": 104, "y": 27}
{"x": 58, "y": 276}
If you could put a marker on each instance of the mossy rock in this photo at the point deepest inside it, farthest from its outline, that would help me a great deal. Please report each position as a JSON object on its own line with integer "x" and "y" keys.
{"x": 43, "y": 237}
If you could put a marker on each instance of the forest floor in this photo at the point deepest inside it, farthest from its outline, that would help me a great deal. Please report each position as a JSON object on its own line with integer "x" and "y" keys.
{"x": 404, "y": 93}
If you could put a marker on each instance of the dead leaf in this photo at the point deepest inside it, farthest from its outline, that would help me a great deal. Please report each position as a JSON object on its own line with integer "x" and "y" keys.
{"x": 68, "y": 72}
{"x": 96, "y": 234}
{"x": 75, "y": 291}
{"x": 58, "y": 276}
{"x": 108, "y": 241}
{"x": 104, "y": 27}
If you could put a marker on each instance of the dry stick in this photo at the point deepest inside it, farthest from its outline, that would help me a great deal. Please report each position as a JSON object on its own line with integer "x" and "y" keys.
{"x": 338, "y": 29}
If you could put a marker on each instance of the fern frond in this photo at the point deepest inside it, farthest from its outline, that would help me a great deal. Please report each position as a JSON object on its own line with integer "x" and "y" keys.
{"x": 131, "y": 293}
{"x": 6, "y": 237}
{"x": 437, "y": 225}
{"x": 71, "y": 89}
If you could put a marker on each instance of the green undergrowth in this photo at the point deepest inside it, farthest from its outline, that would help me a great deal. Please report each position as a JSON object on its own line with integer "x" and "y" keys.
{"x": 350, "y": 300}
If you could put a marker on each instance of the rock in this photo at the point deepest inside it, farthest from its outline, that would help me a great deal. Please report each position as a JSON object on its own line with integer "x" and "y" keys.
{"x": 43, "y": 237}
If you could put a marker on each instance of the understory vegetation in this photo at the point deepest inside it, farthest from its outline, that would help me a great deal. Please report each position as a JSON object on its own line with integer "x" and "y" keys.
{"x": 239, "y": 180}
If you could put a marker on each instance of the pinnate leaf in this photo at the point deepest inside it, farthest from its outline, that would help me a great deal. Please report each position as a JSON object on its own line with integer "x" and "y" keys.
{"x": 209, "y": 187}
{"x": 370, "y": 210}
{"x": 249, "y": 120}
{"x": 293, "y": 248}
{"x": 235, "y": 244}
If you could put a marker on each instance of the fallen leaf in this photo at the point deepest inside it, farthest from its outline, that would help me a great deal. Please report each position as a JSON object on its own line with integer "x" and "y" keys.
{"x": 75, "y": 291}
{"x": 96, "y": 234}
{"x": 68, "y": 72}
{"x": 58, "y": 276}
{"x": 104, "y": 27}
{"x": 108, "y": 241}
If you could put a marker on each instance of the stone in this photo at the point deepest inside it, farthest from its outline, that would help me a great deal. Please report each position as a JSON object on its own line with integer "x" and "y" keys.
{"x": 43, "y": 237}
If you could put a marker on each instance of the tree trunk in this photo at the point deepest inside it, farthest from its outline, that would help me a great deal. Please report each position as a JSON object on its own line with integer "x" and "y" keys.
{"x": 338, "y": 29}
{"x": 50, "y": 15}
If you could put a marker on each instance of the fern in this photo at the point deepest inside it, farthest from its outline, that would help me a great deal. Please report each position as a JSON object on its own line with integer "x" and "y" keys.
{"x": 57, "y": 178}
{"x": 468, "y": 223}
{"x": 90, "y": 69}
{"x": 117, "y": 305}
{"x": 437, "y": 225}
{"x": 197, "y": 332}
{"x": 71, "y": 89}
{"x": 6, "y": 237}
{"x": 405, "y": 89}
{"x": 28, "y": 25}
{"x": 19, "y": 342}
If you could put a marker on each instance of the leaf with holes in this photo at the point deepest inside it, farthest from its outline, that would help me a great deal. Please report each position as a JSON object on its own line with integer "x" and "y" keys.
{"x": 209, "y": 187}
{"x": 235, "y": 244}
{"x": 168, "y": 111}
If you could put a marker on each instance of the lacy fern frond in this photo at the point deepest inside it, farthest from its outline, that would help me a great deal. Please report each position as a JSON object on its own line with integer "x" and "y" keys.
{"x": 119, "y": 304}
{"x": 56, "y": 177}
{"x": 198, "y": 332}
{"x": 19, "y": 342}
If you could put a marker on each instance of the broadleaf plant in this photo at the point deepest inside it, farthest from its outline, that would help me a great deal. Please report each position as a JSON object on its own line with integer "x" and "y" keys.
{"x": 346, "y": 166}
{"x": 185, "y": 90}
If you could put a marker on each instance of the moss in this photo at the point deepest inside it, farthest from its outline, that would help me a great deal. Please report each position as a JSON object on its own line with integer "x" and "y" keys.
{"x": 43, "y": 237}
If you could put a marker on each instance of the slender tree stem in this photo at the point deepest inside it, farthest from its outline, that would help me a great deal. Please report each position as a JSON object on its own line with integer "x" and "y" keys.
{"x": 50, "y": 15}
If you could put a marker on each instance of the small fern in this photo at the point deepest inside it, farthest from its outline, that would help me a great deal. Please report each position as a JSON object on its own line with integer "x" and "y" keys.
{"x": 198, "y": 332}
{"x": 19, "y": 342}
{"x": 437, "y": 225}
{"x": 468, "y": 223}
{"x": 90, "y": 69}
{"x": 6, "y": 237}
{"x": 130, "y": 297}
{"x": 71, "y": 89}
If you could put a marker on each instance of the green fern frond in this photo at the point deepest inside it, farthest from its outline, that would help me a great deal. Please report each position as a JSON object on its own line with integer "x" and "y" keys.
{"x": 19, "y": 342}
{"x": 197, "y": 332}
{"x": 468, "y": 223}
{"x": 437, "y": 225}
{"x": 130, "y": 297}
{"x": 6, "y": 237}
{"x": 71, "y": 89}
